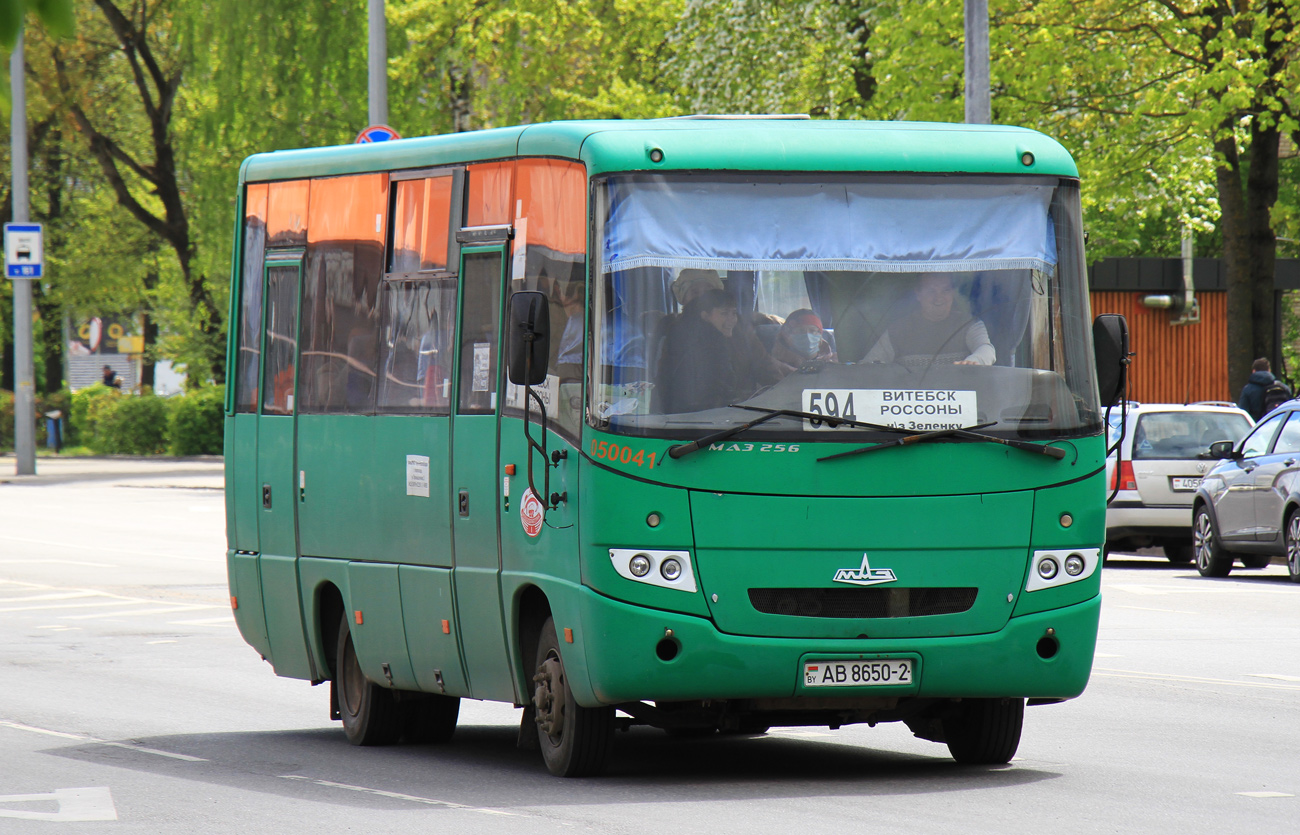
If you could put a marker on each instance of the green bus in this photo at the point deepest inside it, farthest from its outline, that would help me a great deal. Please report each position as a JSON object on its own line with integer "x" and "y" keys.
{"x": 707, "y": 424}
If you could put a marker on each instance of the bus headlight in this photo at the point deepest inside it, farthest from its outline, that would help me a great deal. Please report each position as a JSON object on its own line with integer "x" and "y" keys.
{"x": 668, "y": 569}
{"x": 1045, "y": 567}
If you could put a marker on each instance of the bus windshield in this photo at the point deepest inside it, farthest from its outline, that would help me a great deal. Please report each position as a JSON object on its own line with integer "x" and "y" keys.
{"x": 920, "y": 302}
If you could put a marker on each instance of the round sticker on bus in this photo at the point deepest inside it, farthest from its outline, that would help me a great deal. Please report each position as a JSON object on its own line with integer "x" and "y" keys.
{"x": 531, "y": 513}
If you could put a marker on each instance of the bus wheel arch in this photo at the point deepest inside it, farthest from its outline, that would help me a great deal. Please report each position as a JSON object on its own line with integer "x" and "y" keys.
{"x": 329, "y": 611}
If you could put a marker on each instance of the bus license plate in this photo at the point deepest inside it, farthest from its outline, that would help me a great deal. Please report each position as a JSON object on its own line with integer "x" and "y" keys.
{"x": 1186, "y": 485}
{"x": 857, "y": 673}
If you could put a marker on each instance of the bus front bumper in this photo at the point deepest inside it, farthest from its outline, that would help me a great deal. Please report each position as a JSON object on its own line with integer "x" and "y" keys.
{"x": 1045, "y": 655}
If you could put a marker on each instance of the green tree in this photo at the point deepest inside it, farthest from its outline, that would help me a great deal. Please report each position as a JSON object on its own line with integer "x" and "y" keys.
{"x": 56, "y": 15}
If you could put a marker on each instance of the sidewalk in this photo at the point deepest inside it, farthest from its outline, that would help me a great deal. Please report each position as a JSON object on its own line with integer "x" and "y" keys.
{"x": 204, "y": 472}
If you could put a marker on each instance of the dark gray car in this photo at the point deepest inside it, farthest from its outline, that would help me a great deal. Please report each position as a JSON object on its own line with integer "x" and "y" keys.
{"x": 1247, "y": 508}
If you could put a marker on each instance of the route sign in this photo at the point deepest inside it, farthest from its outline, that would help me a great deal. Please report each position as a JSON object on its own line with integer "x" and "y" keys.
{"x": 377, "y": 133}
{"x": 24, "y": 251}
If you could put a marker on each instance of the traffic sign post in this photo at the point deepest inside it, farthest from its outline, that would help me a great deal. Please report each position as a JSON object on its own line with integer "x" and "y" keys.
{"x": 24, "y": 250}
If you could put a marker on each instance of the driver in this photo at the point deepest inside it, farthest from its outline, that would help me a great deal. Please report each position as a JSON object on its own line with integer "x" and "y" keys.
{"x": 937, "y": 332}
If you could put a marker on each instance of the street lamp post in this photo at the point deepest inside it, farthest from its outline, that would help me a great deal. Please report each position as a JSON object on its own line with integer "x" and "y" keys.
{"x": 378, "y": 111}
{"x": 979, "y": 111}
{"x": 24, "y": 371}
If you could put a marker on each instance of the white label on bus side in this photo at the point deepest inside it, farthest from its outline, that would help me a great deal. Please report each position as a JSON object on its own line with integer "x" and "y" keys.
{"x": 417, "y": 475}
{"x": 482, "y": 366}
{"x": 920, "y": 409}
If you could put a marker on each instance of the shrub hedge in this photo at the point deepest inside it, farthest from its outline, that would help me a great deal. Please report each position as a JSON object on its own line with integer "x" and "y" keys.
{"x": 110, "y": 422}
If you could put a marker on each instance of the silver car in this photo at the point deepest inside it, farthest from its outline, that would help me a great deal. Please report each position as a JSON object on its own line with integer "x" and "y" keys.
{"x": 1165, "y": 455}
{"x": 1248, "y": 506}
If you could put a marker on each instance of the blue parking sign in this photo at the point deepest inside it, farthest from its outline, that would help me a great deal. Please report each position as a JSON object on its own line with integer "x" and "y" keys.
{"x": 24, "y": 250}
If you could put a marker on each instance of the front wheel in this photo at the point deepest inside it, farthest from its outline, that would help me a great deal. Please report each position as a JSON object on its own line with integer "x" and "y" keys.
{"x": 1211, "y": 559}
{"x": 369, "y": 712}
{"x": 575, "y": 740}
{"x": 985, "y": 731}
{"x": 1293, "y": 546}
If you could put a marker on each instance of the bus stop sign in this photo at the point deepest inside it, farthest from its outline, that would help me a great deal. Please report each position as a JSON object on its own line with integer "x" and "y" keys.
{"x": 377, "y": 133}
{"x": 24, "y": 253}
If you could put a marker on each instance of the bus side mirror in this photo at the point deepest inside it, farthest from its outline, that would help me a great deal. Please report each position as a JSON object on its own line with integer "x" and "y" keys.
{"x": 1110, "y": 347}
{"x": 528, "y": 338}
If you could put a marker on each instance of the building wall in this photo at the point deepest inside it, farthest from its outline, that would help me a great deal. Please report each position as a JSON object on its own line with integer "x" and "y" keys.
{"x": 1173, "y": 363}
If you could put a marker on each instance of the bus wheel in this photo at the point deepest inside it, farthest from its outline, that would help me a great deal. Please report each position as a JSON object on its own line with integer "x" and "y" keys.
{"x": 369, "y": 712}
{"x": 985, "y": 731}
{"x": 575, "y": 740}
{"x": 431, "y": 719}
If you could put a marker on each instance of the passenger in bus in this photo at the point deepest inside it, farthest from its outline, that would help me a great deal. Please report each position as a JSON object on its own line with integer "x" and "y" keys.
{"x": 801, "y": 340}
{"x": 691, "y": 283}
{"x": 705, "y": 364}
{"x": 937, "y": 331}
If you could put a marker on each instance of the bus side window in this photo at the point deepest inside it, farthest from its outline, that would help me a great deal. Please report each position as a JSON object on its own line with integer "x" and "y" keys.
{"x": 248, "y": 359}
{"x": 417, "y": 328}
{"x": 340, "y": 315}
{"x": 481, "y": 317}
{"x": 281, "y": 339}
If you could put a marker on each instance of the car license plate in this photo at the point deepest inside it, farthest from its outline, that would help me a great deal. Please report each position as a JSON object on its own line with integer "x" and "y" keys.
{"x": 857, "y": 673}
{"x": 1186, "y": 485}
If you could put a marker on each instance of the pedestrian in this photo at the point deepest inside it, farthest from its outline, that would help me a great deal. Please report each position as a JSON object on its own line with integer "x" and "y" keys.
{"x": 111, "y": 379}
{"x": 1263, "y": 392}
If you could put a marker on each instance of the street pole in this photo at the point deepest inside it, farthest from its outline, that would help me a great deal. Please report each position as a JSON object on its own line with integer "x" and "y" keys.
{"x": 978, "y": 109}
{"x": 378, "y": 64}
{"x": 24, "y": 371}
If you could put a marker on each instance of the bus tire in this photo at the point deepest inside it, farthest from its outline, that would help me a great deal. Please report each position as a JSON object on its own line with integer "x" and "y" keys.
{"x": 369, "y": 712}
{"x": 985, "y": 731}
{"x": 575, "y": 740}
{"x": 1211, "y": 559}
{"x": 431, "y": 719}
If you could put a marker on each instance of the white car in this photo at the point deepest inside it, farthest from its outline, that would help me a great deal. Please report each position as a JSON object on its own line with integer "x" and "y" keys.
{"x": 1164, "y": 456}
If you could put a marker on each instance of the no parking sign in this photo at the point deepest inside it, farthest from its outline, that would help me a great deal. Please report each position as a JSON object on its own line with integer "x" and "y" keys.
{"x": 377, "y": 133}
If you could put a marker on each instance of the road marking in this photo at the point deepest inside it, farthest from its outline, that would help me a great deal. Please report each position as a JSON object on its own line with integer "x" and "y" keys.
{"x": 91, "y": 804}
{"x": 130, "y": 746}
{"x": 57, "y": 562}
{"x": 1217, "y": 588}
{"x": 99, "y": 548}
{"x": 59, "y": 595}
{"x": 1265, "y": 794}
{"x": 160, "y": 609}
{"x": 1274, "y": 676}
{"x": 222, "y": 621}
{"x": 70, "y": 606}
{"x": 1149, "y": 609}
{"x": 151, "y": 643}
{"x": 428, "y": 801}
{"x": 1143, "y": 676}
{"x": 1105, "y": 655}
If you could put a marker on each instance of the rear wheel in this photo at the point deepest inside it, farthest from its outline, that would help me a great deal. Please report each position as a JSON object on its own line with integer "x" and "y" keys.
{"x": 1293, "y": 546}
{"x": 1211, "y": 559}
{"x": 985, "y": 731}
{"x": 369, "y": 712}
{"x": 575, "y": 740}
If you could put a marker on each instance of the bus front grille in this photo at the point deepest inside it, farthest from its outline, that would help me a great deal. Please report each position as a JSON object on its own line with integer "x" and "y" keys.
{"x": 863, "y": 603}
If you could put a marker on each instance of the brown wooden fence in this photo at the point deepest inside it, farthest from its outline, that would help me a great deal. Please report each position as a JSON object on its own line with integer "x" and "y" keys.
{"x": 1173, "y": 363}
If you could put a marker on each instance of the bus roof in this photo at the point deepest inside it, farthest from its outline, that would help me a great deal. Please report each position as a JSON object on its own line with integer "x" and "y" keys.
{"x": 700, "y": 144}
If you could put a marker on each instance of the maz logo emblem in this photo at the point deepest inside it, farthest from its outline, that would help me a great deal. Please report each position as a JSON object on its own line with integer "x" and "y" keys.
{"x": 865, "y": 575}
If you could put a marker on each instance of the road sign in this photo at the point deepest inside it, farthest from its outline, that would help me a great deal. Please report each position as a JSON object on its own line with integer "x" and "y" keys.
{"x": 377, "y": 133}
{"x": 24, "y": 253}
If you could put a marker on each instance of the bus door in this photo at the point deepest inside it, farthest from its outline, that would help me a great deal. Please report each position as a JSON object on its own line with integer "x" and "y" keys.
{"x": 474, "y": 466}
{"x": 277, "y": 522}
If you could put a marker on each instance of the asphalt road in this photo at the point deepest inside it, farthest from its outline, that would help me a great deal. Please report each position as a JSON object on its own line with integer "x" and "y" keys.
{"x": 129, "y": 704}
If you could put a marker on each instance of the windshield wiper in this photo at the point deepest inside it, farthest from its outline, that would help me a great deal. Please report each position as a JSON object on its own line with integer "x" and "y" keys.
{"x": 967, "y": 433}
{"x": 678, "y": 450}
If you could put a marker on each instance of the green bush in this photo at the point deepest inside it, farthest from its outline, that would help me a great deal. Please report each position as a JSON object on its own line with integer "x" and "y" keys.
{"x": 6, "y": 421}
{"x": 86, "y": 403}
{"x": 129, "y": 425}
{"x": 197, "y": 422}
